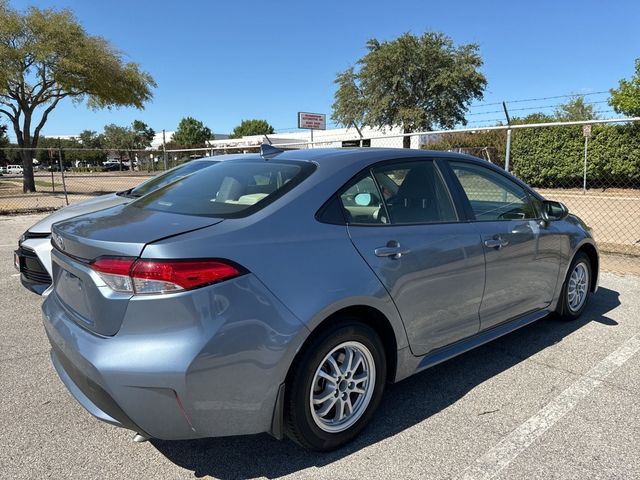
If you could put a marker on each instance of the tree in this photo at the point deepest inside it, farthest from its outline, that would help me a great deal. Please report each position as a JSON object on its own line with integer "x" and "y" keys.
{"x": 414, "y": 82}
{"x": 537, "y": 117}
{"x": 90, "y": 139}
{"x": 142, "y": 134}
{"x": 4, "y": 142}
{"x": 192, "y": 133}
{"x": 575, "y": 110}
{"x": 626, "y": 98}
{"x": 117, "y": 137}
{"x": 45, "y": 57}
{"x": 92, "y": 145}
{"x": 121, "y": 139}
{"x": 252, "y": 127}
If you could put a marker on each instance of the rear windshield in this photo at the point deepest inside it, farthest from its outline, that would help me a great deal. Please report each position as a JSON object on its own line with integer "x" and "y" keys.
{"x": 169, "y": 176}
{"x": 231, "y": 189}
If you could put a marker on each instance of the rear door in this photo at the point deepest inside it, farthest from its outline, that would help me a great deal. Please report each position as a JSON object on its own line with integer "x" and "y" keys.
{"x": 521, "y": 256}
{"x": 403, "y": 222}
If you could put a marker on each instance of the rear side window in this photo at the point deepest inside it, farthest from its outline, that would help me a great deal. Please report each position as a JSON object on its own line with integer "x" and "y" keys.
{"x": 399, "y": 194}
{"x": 232, "y": 189}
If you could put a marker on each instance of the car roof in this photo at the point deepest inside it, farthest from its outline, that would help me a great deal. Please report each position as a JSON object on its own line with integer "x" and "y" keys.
{"x": 366, "y": 154}
{"x": 335, "y": 158}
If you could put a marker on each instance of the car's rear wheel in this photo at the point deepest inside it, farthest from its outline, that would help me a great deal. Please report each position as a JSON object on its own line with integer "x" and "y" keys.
{"x": 576, "y": 289}
{"x": 335, "y": 386}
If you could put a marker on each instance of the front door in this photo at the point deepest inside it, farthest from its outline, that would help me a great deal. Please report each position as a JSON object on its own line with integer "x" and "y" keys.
{"x": 404, "y": 224}
{"x": 521, "y": 255}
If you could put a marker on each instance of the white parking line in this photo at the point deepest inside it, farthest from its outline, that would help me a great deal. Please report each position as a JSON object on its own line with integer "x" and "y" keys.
{"x": 8, "y": 245}
{"x": 500, "y": 456}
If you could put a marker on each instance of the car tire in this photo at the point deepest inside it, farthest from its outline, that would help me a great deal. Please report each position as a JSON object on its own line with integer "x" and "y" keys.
{"x": 576, "y": 289}
{"x": 328, "y": 376}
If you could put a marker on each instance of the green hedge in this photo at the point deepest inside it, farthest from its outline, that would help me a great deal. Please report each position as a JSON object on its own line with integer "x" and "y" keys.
{"x": 554, "y": 156}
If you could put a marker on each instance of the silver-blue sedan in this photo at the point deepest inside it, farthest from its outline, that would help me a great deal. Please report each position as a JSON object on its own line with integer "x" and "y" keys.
{"x": 280, "y": 292}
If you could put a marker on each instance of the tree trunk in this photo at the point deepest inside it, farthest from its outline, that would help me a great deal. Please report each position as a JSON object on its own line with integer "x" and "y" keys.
{"x": 27, "y": 144}
{"x": 406, "y": 141}
{"x": 28, "y": 182}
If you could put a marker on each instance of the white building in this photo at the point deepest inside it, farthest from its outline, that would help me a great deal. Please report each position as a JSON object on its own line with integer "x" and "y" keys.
{"x": 337, "y": 137}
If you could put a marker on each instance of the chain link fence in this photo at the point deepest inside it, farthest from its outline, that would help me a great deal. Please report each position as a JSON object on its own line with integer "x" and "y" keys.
{"x": 592, "y": 167}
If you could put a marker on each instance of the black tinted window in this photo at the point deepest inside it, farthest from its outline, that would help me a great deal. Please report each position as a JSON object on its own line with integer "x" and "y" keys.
{"x": 230, "y": 189}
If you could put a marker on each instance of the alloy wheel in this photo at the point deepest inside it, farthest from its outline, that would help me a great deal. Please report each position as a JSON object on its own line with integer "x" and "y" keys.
{"x": 342, "y": 387}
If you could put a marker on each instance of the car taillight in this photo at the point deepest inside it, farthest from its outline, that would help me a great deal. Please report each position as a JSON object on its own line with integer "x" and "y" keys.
{"x": 115, "y": 272}
{"x": 161, "y": 276}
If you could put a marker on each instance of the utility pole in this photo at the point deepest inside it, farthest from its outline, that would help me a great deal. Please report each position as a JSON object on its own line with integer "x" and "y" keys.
{"x": 507, "y": 154}
{"x": 164, "y": 151}
{"x": 64, "y": 183}
{"x": 586, "y": 132}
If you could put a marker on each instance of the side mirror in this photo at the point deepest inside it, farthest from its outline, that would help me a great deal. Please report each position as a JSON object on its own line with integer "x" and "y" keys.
{"x": 554, "y": 211}
{"x": 363, "y": 199}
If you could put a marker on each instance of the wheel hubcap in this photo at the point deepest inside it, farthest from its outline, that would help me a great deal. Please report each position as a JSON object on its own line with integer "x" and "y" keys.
{"x": 342, "y": 387}
{"x": 578, "y": 287}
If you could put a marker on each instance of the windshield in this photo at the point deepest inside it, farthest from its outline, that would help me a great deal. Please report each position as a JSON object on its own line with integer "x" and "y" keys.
{"x": 169, "y": 176}
{"x": 232, "y": 189}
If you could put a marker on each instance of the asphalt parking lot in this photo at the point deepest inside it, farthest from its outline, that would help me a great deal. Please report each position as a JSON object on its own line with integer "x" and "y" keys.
{"x": 552, "y": 400}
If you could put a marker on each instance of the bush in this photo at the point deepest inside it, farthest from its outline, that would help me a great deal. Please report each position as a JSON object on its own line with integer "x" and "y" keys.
{"x": 554, "y": 156}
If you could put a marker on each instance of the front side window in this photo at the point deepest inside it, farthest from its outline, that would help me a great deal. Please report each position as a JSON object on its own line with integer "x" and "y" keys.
{"x": 231, "y": 189}
{"x": 399, "y": 193}
{"x": 493, "y": 196}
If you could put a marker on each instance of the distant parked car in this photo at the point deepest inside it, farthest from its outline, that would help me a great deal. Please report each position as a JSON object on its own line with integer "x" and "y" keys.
{"x": 281, "y": 293}
{"x": 114, "y": 165}
{"x": 14, "y": 170}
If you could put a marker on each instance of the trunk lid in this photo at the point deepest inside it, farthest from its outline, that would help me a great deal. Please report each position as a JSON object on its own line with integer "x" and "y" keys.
{"x": 120, "y": 231}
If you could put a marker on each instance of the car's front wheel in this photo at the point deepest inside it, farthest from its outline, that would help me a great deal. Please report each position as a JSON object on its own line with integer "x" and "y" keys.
{"x": 335, "y": 386}
{"x": 576, "y": 288}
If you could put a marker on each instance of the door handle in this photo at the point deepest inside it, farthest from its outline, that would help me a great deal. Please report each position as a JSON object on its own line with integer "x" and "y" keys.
{"x": 522, "y": 229}
{"x": 496, "y": 242}
{"x": 392, "y": 250}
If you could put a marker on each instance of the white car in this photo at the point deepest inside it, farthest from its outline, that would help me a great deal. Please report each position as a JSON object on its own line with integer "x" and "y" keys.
{"x": 14, "y": 169}
{"x": 33, "y": 256}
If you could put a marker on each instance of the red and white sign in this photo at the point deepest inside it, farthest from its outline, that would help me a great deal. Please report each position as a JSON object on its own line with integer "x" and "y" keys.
{"x": 312, "y": 121}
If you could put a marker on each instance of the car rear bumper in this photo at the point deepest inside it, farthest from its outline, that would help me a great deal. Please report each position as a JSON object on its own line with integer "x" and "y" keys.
{"x": 200, "y": 364}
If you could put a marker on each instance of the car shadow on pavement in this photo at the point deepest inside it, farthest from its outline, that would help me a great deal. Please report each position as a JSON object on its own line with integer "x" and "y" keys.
{"x": 404, "y": 404}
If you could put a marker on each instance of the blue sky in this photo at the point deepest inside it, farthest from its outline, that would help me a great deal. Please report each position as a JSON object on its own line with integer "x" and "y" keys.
{"x": 225, "y": 61}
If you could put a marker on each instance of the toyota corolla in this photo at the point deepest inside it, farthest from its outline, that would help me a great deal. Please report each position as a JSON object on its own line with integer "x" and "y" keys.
{"x": 280, "y": 292}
